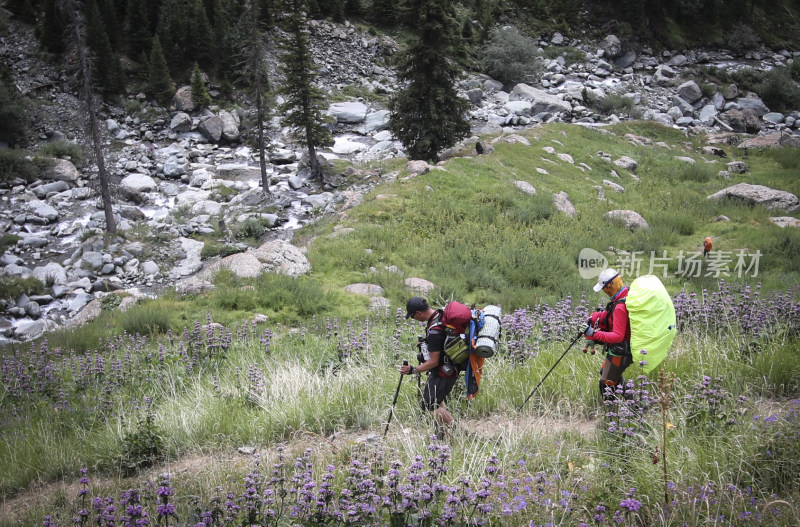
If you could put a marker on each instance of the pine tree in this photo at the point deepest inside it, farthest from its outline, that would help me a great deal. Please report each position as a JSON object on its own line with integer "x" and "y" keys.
{"x": 137, "y": 28}
{"x": 428, "y": 116}
{"x": 200, "y": 41}
{"x": 255, "y": 73}
{"x": 13, "y": 119}
{"x": 384, "y": 12}
{"x": 77, "y": 40}
{"x": 159, "y": 83}
{"x": 51, "y": 27}
{"x": 107, "y": 69}
{"x": 200, "y": 96}
{"x": 303, "y": 108}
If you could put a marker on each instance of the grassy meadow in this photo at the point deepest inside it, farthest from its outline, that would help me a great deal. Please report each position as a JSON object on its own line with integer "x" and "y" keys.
{"x": 186, "y": 411}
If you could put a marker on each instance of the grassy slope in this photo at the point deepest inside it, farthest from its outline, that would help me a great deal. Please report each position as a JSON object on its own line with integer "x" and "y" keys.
{"x": 470, "y": 231}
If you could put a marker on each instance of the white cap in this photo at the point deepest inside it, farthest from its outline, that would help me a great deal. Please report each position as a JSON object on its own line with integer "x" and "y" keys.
{"x": 605, "y": 277}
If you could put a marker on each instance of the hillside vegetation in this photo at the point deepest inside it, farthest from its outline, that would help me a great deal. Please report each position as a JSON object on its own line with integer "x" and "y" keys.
{"x": 168, "y": 391}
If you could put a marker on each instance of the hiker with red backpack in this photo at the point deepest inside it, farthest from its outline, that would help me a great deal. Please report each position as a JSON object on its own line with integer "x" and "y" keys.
{"x": 611, "y": 328}
{"x": 457, "y": 338}
{"x": 442, "y": 373}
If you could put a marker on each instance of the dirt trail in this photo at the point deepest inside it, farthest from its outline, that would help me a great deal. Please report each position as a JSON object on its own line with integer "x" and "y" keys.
{"x": 195, "y": 466}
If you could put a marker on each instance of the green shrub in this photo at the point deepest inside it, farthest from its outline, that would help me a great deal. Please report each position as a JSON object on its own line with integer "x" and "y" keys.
{"x": 677, "y": 221}
{"x": 62, "y": 149}
{"x": 614, "y": 103}
{"x": 12, "y": 287}
{"x": 708, "y": 89}
{"x": 8, "y": 240}
{"x": 571, "y": 55}
{"x": 511, "y": 57}
{"x": 141, "y": 448}
{"x": 22, "y": 164}
{"x": 778, "y": 91}
{"x": 788, "y": 158}
{"x": 111, "y": 302}
{"x": 132, "y": 107}
{"x": 212, "y": 249}
{"x": 742, "y": 38}
{"x": 539, "y": 208}
{"x": 794, "y": 69}
{"x": 13, "y": 118}
{"x": 697, "y": 172}
{"x": 148, "y": 318}
{"x": 252, "y": 228}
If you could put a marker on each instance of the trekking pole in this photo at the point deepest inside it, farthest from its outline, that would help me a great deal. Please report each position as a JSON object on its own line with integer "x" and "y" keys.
{"x": 551, "y": 369}
{"x": 396, "y": 393}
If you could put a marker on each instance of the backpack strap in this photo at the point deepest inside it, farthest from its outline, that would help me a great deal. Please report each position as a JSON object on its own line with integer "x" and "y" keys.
{"x": 622, "y": 348}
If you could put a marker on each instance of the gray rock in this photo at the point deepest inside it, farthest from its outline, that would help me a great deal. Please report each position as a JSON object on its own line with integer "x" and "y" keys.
{"x": 774, "y": 117}
{"x": 630, "y": 219}
{"x": 150, "y": 268}
{"x": 737, "y": 167}
{"x": 238, "y": 172}
{"x": 769, "y": 198}
{"x": 43, "y": 210}
{"x": 80, "y": 300}
{"x": 173, "y": 168}
{"x": 230, "y": 126}
{"x": 611, "y": 46}
{"x": 29, "y": 329}
{"x": 52, "y": 273}
{"x": 614, "y": 186}
{"x": 91, "y": 261}
{"x": 33, "y": 310}
{"x": 525, "y": 187}
{"x": 419, "y": 285}
{"x": 61, "y": 170}
{"x": 541, "y": 101}
{"x": 690, "y": 91}
{"x": 364, "y": 289}
{"x": 349, "y": 112}
{"x": 181, "y": 122}
{"x": 280, "y": 256}
{"x": 786, "y": 221}
{"x": 753, "y": 103}
{"x": 564, "y": 204}
{"x": 139, "y": 183}
{"x": 211, "y": 128}
{"x": 627, "y": 163}
{"x": 182, "y": 100}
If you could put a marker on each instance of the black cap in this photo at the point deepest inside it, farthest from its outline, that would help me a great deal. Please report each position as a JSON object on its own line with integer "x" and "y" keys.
{"x": 414, "y": 304}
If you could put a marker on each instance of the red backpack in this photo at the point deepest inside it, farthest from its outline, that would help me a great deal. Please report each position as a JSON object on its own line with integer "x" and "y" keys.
{"x": 455, "y": 318}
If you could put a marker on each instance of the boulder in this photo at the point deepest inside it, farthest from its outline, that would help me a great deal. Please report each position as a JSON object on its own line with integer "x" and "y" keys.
{"x": 419, "y": 285}
{"x": 769, "y": 198}
{"x": 689, "y": 91}
{"x": 282, "y": 257}
{"x": 182, "y": 100}
{"x": 630, "y": 219}
{"x": 525, "y": 187}
{"x": 181, "y": 122}
{"x": 744, "y": 120}
{"x": 774, "y": 140}
{"x": 349, "y": 112}
{"x": 541, "y": 101}
{"x": 61, "y": 170}
{"x": 364, "y": 289}
{"x": 211, "y": 128}
{"x": 139, "y": 183}
{"x": 627, "y": 163}
{"x": 563, "y": 204}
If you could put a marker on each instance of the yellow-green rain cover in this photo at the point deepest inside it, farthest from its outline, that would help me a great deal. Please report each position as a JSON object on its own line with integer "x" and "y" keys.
{"x": 652, "y": 318}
